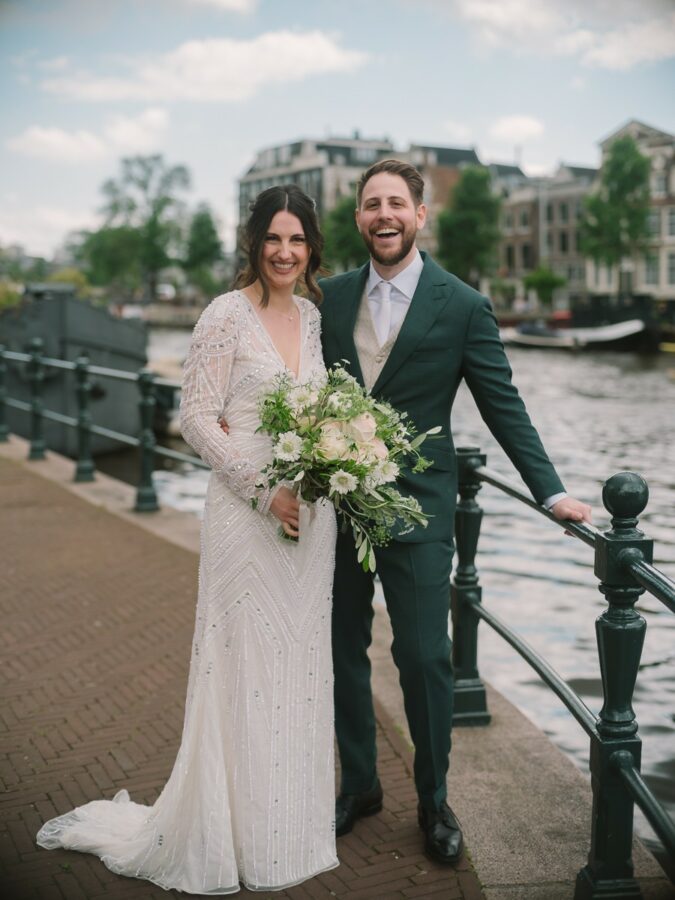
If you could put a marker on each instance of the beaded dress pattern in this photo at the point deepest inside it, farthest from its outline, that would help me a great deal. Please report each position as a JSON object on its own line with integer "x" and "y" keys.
{"x": 251, "y": 796}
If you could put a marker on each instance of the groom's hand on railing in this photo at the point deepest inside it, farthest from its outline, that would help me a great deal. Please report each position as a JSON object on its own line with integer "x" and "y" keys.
{"x": 572, "y": 510}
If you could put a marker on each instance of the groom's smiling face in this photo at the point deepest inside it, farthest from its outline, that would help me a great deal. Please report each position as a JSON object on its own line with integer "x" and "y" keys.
{"x": 388, "y": 219}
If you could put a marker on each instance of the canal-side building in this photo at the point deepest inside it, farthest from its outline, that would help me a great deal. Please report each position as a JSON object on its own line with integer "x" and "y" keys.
{"x": 325, "y": 169}
{"x": 561, "y": 201}
{"x": 506, "y": 178}
{"x": 519, "y": 244}
{"x": 653, "y": 273}
{"x": 441, "y": 168}
{"x": 540, "y": 227}
{"x": 328, "y": 171}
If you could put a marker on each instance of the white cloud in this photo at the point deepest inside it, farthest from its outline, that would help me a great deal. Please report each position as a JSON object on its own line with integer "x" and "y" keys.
{"x": 58, "y": 145}
{"x": 537, "y": 169}
{"x": 626, "y": 47}
{"x": 457, "y": 131}
{"x": 139, "y": 134}
{"x": 608, "y": 34}
{"x": 240, "y": 6}
{"x": 56, "y": 64}
{"x": 42, "y": 229}
{"x": 216, "y": 70}
{"x": 515, "y": 129}
{"x": 120, "y": 135}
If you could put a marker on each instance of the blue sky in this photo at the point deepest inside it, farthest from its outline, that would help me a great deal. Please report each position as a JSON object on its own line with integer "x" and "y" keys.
{"x": 209, "y": 82}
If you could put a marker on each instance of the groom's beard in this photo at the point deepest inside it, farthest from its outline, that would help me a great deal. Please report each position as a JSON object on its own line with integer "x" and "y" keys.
{"x": 394, "y": 256}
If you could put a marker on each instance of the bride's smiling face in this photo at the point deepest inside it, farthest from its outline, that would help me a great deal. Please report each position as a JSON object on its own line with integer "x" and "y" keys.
{"x": 285, "y": 252}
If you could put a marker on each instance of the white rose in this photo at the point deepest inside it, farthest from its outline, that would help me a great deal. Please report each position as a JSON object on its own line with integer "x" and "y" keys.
{"x": 332, "y": 444}
{"x": 362, "y": 427}
{"x": 379, "y": 448}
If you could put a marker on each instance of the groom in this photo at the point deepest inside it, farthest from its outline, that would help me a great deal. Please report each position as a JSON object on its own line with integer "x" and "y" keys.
{"x": 410, "y": 332}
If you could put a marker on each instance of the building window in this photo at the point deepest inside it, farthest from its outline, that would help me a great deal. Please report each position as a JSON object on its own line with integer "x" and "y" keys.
{"x": 654, "y": 222}
{"x": 549, "y": 212}
{"x": 564, "y": 212}
{"x": 651, "y": 269}
{"x": 508, "y": 221}
{"x": 549, "y": 242}
{"x": 577, "y": 210}
{"x": 524, "y": 218}
{"x": 526, "y": 256}
{"x": 659, "y": 184}
{"x": 671, "y": 268}
{"x": 564, "y": 243}
{"x": 509, "y": 257}
{"x": 671, "y": 221}
{"x": 365, "y": 154}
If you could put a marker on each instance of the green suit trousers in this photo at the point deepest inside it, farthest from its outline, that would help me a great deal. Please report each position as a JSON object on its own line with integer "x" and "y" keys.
{"x": 415, "y": 578}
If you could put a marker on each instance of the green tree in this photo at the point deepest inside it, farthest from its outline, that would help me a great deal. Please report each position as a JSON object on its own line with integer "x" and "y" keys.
{"x": 204, "y": 250}
{"x": 10, "y": 295}
{"x": 344, "y": 248}
{"x": 614, "y": 224}
{"x": 111, "y": 258}
{"x": 74, "y": 276}
{"x": 144, "y": 197}
{"x": 543, "y": 282}
{"x": 468, "y": 229}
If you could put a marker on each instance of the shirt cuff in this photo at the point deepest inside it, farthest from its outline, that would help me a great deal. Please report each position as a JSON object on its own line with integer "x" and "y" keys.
{"x": 553, "y": 499}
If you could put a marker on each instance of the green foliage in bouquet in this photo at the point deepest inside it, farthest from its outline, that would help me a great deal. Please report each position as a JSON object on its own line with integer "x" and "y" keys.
{"x": 334, "y": 440}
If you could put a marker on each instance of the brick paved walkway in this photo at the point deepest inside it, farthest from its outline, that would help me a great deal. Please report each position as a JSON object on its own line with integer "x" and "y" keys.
{"x": 97, "y": 620}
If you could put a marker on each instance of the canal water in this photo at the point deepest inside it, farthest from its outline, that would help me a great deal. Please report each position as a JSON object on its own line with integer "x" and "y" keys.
{"x": 598, "y": 414}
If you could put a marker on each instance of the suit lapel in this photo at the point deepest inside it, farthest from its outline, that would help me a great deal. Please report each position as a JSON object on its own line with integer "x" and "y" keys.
{"x": 345, "y": 312}
{"x": 429, "y": 300}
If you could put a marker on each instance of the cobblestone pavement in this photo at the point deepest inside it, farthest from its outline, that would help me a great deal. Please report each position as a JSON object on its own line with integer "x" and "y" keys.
{"x": 97, "y": 620}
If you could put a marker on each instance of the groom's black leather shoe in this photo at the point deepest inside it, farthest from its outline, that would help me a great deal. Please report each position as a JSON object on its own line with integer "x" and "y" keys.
{"x": 350, "y": 807}
{"x": 443, "y": 836}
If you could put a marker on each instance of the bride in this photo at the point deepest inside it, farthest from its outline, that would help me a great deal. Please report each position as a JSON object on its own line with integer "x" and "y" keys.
{"x": 250, "y": 799}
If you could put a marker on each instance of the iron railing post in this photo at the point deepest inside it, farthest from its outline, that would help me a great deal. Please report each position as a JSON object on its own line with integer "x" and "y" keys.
{"x": 84, "y": 470}
{"x": 470, "y": 701}
{"x": 620, "y": 634}
{"x": 36, "y": 375}
{"x": 4, "y": 428}
{"x": 146, "y": 497}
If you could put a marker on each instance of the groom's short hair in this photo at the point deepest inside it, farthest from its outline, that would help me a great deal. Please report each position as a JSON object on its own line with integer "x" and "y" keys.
{"x": 408, "y": 173}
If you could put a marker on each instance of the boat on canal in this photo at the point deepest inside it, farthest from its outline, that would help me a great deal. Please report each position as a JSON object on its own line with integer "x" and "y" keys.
{"x": 630, "y": 335}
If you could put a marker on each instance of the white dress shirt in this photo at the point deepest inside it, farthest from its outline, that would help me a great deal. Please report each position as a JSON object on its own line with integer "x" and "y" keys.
{"x": 403, "y": 286}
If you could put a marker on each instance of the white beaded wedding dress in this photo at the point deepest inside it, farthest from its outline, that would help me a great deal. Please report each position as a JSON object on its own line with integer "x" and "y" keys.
{"x": 250, "y": 799}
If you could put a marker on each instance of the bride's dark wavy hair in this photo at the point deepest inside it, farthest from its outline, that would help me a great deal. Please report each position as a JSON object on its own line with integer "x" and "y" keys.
{"x": 288, "y": 198}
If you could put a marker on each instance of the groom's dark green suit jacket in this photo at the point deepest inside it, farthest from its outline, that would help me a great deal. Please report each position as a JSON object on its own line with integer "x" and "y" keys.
{"x": 449, "y": 333}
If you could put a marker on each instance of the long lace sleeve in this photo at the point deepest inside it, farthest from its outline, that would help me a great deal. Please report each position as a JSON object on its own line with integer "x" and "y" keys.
{"x": 206, "y": 377}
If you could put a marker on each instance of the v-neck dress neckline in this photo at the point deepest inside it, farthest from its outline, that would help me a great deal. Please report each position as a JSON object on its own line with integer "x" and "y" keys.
{"x": 270, "y": 339}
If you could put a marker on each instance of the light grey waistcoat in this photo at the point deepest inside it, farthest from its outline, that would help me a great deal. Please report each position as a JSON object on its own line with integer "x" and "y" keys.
{"x": 372, "y": 357}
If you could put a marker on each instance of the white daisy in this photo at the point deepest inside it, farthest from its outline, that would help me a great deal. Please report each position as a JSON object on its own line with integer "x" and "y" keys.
{"x": 388, "y": 471}
{"x": 342, "y": 482}
{"x": 288, "y": 447}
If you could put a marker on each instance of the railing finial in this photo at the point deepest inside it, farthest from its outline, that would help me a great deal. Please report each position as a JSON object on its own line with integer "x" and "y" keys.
{"x": 625, "y": 496}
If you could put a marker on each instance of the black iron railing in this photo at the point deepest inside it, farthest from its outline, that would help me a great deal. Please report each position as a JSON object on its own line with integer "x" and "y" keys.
{"x": 623, "y": 565}
{"x": 147, "y": 381}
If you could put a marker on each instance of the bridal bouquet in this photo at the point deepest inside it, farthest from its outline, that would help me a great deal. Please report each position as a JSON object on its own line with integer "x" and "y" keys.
{"x": 332, "y": 439}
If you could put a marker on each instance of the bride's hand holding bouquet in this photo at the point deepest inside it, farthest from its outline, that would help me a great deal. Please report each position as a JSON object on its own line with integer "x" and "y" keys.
{"x": 334, "y": 440}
